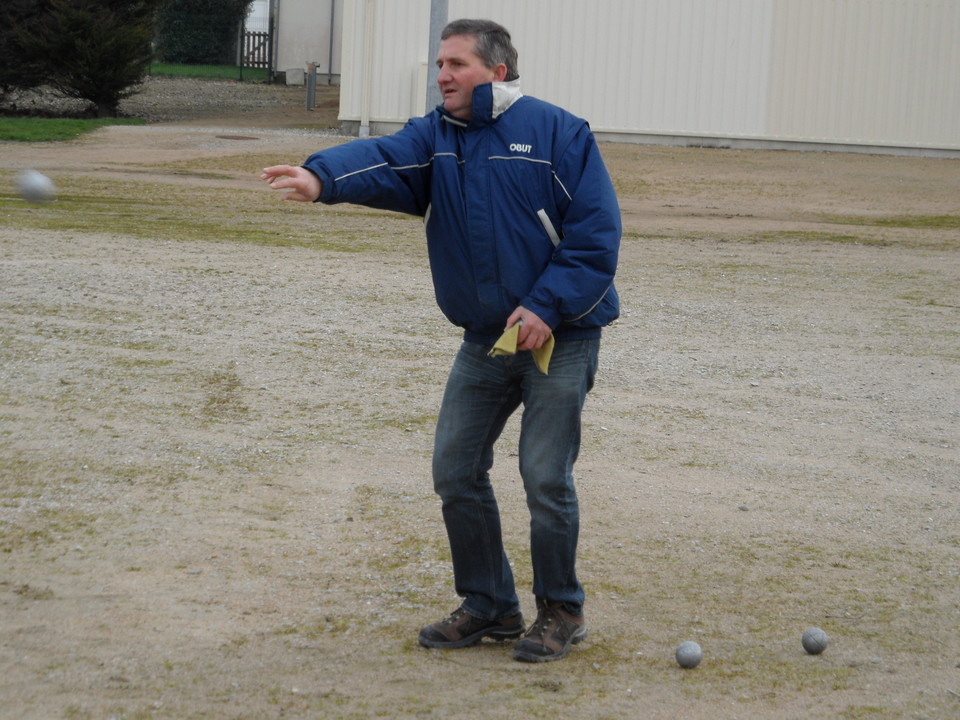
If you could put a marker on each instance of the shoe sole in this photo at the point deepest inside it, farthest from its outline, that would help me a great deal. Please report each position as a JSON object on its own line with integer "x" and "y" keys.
{"x": 523, "y": 656}
{"x": 493, "y": 633}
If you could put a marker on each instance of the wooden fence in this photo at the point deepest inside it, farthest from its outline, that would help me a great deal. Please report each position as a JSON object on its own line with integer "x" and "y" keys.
{"x": 255, "y": 52}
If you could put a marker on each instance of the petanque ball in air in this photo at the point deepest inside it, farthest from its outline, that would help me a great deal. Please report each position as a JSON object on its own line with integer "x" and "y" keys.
{"x": 35, "y": 187}
{"x": 689, "y": 654}
{"x": 814, "y": 640}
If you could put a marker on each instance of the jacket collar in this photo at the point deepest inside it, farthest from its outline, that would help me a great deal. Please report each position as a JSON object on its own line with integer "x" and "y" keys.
{"x": 490, "y": 101}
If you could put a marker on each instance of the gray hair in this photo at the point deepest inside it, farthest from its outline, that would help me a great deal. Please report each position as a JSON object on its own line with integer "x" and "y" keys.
{"x": 493, "y": 46}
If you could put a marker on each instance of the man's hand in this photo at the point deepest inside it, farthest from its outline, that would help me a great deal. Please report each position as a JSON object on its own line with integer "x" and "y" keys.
{"x": 533, "y": 332}
{"x": 304, "y": 186}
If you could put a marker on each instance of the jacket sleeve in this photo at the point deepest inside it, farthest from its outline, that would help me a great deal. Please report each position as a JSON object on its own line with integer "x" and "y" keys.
{"x": 388, "y": 173}
{"x": 583, "y": 265}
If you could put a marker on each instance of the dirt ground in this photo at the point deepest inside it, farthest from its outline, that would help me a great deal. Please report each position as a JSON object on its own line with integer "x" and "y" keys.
{"x": 216, "y": 414}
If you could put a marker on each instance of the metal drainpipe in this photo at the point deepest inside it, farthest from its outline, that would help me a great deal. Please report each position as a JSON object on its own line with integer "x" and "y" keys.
{"x": 333, "y": 15}
{"x": 273, "y": 27}
{"x": 439, "y": 9}
{"x": 367, "y": 70}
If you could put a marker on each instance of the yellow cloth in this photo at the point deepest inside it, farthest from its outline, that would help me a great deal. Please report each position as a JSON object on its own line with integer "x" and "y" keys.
{"x": 507, "y": 345}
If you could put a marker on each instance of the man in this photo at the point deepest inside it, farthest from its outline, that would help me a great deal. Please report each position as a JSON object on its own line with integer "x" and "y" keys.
{"x": 523, "y": 233}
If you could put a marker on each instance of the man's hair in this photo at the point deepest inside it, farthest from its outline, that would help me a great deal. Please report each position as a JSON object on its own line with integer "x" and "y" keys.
{"x": 493, "y": 46}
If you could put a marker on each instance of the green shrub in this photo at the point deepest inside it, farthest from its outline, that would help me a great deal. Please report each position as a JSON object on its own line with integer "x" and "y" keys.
{"x": 18, "y": 71}
{"x": 201, "y": 32}
{"x": 94, "y": 50}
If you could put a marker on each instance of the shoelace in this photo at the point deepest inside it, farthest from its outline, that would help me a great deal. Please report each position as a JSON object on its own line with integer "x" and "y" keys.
{"x": 542, "y": 622}
{"x": 455, "y": 616}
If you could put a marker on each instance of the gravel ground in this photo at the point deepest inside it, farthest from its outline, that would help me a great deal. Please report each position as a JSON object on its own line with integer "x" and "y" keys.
{"x": 168, "y": 99}
{"x": 216, "y": 414}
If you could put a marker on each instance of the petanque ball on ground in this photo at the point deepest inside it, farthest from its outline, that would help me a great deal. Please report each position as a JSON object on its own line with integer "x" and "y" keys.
{"x": 35, "y": 187}
{"x": 814, "y": 640}
{"x": 689, "y": 654}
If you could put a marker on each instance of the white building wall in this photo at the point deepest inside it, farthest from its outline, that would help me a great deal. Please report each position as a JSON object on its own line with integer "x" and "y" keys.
{"x": 876, "y": 72}
{"x": 397, "y": 50}
{"x": 303, "y": 35}
{"x": 258, "y": 16}
{"x": 862, "y": 72}
{"x": 682, "y": 66}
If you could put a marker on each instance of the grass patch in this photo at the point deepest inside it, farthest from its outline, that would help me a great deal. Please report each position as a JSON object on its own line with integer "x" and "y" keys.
{"x": 223, "y": 389}
{"x": 813, "y": 236}
{"x": 868, "y": 712}
{"x": 631, "y": 187}
{"x": 46, "y": 527}
{"x": 922, "y": 297}
{"x": 913, "y": 222}
{"x": 159, "y": 211}
{"x": 246, "y": 165}
{"x": 31, "y": 129}
{"x": 210, "y": 72}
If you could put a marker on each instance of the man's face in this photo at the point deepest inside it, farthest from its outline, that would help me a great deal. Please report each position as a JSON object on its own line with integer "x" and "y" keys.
{"x": 461, "y": 70}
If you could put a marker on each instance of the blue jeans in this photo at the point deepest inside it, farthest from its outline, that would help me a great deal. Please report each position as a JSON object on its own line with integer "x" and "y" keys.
{"x": 481, "y": 394}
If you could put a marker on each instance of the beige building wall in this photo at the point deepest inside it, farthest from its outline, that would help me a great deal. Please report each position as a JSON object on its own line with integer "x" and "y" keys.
{"x": 862, "y": 73}
{"x": 383, "y": 68}
{"x": 883, "y": 72}
{"x": 303, "y": 35}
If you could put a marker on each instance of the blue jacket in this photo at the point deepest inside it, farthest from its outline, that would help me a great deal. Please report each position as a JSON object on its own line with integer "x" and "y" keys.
{"x": 518, "y": 207}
